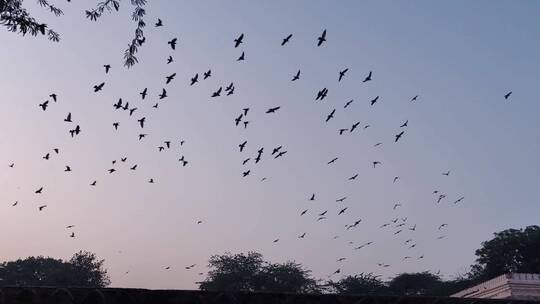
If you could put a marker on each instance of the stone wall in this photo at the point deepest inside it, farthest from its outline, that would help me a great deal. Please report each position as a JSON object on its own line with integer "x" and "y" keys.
{"x": 16, "y": 295}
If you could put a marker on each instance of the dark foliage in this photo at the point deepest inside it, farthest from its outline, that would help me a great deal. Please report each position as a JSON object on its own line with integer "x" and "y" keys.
{"x": 84, "y": 269}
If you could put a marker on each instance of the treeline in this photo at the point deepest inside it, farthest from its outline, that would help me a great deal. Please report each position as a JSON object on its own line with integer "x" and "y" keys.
{"x": 512, "y": 250}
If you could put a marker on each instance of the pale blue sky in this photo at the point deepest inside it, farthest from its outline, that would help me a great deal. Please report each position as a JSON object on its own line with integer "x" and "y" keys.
{"x": 461, "y": 57}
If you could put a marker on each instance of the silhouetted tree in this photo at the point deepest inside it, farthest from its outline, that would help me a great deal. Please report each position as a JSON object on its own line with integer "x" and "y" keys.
{"x": 82, "y": 270}
{"x": 420, "y": 283}
{"x": 511, "y": 250}
{"x": 287, "y": 277}
{"x": 359, "y": 284}
{"x": 15, "y": 17}
{"x": 240, "y": 272}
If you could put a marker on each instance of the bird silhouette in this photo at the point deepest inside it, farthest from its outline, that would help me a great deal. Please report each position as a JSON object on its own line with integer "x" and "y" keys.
{"x": 194, "y": 79}
{"x": 321, "y": 38}
{"x": 151, "y": 181}
{"x": 133, "y": 168}
{"x": 303, "y": 235}
{"x": 242, "y": 57}
{"x": 442, "y": 226}
{"x": 163, "y": 94}
{"x": 112, "y": 170}
{"x": 169, "y": 78}
{"x": 207, "y": 74}
{"x": 342, "y": 130}
{"x": 375, "y": 163}
{"x": 72, "y": 235}
{"x": 342, "y": 210}
{"x": 342, "y": 74}
{"x": 159, "y": 23}
{"x": 297, "y": 76}
{"x": 246, "y": 124}
{"x": 340, "y": 200}
{"x": 246, "y": 160}
{"x": 353, "y": 177}
{"x": 39, "y": 191}
{"x": 141, "y": 136}
{"x": 507, "y": 95}
{"x": 11, "y": 165}
{"x": 46, "y": 157}
{"x": 53, "y": 96}
{"x": 354, "y": 126}
{"x": 303, "y": 212}
{"x": 42, "y": 207}
{"x": 395, "y": 179}
{"x": 246, "y": 110}
{"x": 246, "y": 173}
{"x": 459, "y": 200}
{"x": 44, "y": 105}
{"x": 321, "y": 94}
{"x": 286, "y": 39}
{"x": 99, "y": 87}
{"x": 217, "y": 93}
{"x": 368, "y": 78}
{"x": 238, "y": 40}
{"x": 276, "y": 240}
{"x": 143, "y": 93}
{"x": 348, "y": 103}
{"x": 15, "y": 204}
{"x": 172, "y": 43}
{"x": 170, "y": 59}
{"x": 272, "y": 110}
{"x": 332, "y": 161}
{"x": 280, "y": 154}
{"x": 93, "y": 183}
{"x": 141, "y": 122}
{"x": 67, "y": 169}
{"x": 312, "y": 198}
{"x": 323, "y": 213}
{"x": 374, "y": 100}
{"x": 56, "y": 150}
{"x": 447, "y": 173}
{"x": 404, "y": 124}
{"x": 398, "y": 136}
{"x": 107, "y": 68}
{"x": 276, "y": 150}
{"x": 396, "y": 205}
{"x": 331, "y": 115}
{"x": 414, "y": 98}
{"x": 116, "y": 125}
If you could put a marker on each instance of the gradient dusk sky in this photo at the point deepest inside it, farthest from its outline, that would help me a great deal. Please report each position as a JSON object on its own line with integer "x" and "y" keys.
{"x": 460, "y": 57}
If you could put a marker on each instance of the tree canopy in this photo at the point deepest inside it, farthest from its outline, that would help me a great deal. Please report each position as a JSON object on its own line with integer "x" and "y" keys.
{"x": 16, "y": 19}
{"x": 84, "y": 269}
{"x": 240, "y": 272}
{"x": 511, "y": 250}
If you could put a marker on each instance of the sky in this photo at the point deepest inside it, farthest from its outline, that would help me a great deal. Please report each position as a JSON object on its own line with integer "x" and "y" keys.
{"x": 459, "y": 57}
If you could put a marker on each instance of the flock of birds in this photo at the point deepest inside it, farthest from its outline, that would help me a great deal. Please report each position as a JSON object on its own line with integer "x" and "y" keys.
{"x": 397, "y": 225}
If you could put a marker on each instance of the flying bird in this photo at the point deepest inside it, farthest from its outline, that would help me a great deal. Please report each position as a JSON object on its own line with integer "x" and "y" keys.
{"x": 374, "y": 100}
{"x": 141, "y": 122}
{"x": 331, "y": 115}
{"x": 312, "y": 198}
{"x": 242, "y": 57}
{"x": 143, "y": 93}
{"x": 322, "y": 38}
{"x": 375, "y": 163}
{"x": 342, "y": 74}
{"x": 170, "y": 78}
{"x": 217, "y": 93}
{"x": 172, "y": 43}
{"x": 238, "y": 40}
{"x": 297, "y": 76}
{"x": 159, "y": 23}
{"x": 286, "y": 39}
{"x": 404, "y": 124}
{"x": 272, "y": 110}
{"x": 414, "y": 98}
{"x": 354, "y": 126}
{"x": 446, "y": 173}
{"x": 194, "y": 79}
{"x": 348, "y": 103}
{"x": 44, "y": 105}
{"x": 398, "y": 136}
{"x": 303, "y": 235}
{"x": 368, "y": 78}
{"x": 39, "y": 191}
{"x": 107, "y": 68}
{"x": 170, "y": 60}
{"x": 332, "y": 161}
{"x": 342, "y": 211}
{"x": 98, "y": 87}
{"x": 207, "y": 74}
{"x": 507, "y": 95}
{"x": 459, "y": 200}
{"x": 93, "y": 183}
{"x": 42, "y": 207}
{"x": 53, "y": 96}
{"x": 340, "y": 200}
{"x": 163, "y": 94}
